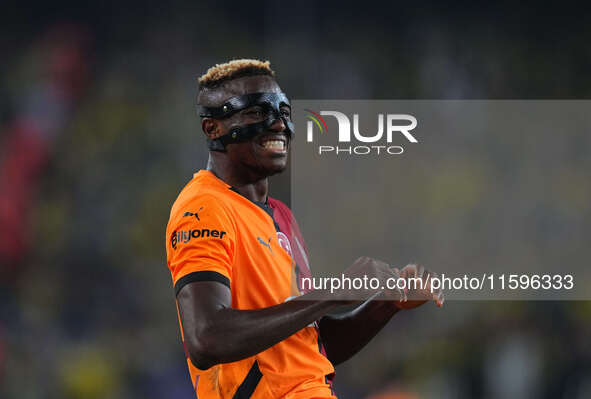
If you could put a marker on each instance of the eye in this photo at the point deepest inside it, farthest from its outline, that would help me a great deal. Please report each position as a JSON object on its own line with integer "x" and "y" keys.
{"x": 255, "y": 112}
{"x": 286, "y": 112}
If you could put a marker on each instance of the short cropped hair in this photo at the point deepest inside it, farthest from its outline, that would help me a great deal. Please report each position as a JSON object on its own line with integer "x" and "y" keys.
{"x": 220, "y": 73}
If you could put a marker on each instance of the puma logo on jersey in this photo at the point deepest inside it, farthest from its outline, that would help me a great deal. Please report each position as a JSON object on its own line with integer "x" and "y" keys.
{"x": 196, "y": 214}
{"x": 266, "y": 243}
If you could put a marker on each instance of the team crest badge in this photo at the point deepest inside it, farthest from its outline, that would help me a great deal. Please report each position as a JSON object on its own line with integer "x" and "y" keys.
{"x": 284, "y": 242}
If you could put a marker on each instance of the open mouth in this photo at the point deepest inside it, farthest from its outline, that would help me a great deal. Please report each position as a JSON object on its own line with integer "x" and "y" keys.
{"x": 274, "y": 143}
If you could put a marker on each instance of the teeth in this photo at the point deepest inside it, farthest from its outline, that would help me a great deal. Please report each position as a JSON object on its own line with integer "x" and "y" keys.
{"x": 274, "y": 144}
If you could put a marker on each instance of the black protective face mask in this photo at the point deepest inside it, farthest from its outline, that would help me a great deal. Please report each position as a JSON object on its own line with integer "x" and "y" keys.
{"x": 271, "y": 104}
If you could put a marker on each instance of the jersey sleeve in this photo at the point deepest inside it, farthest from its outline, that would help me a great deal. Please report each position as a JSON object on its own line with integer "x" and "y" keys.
{"x": 200, "y": 243}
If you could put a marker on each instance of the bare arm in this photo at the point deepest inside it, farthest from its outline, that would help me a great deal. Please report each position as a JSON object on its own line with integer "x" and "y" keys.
{"x": 361, "y": 325}
{"x": 216, "y": 333}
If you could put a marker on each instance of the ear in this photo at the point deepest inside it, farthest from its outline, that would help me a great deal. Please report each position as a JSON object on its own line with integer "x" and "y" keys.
{"x": 212, "y": 128}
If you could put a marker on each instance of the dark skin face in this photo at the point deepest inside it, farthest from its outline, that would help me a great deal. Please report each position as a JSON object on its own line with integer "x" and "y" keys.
{"x": 247, "y": 165}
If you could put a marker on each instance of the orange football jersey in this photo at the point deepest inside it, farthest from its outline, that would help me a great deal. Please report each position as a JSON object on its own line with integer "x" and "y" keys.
{"x": 216, "y": 234}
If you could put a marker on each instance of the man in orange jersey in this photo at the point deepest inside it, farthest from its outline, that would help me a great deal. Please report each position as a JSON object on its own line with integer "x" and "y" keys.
{"x": 237, "y": 258}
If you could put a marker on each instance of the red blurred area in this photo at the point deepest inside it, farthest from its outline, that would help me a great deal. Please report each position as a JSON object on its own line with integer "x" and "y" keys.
{"x": 49, "y": 98}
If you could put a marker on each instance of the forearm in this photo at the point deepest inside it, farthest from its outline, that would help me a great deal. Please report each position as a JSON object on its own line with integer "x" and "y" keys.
{"x": 345, "y": 335}
{"x": 228, "y": 334}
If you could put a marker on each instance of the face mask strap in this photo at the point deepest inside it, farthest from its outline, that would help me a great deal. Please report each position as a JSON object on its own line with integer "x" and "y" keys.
{"x": 272, "y": 102}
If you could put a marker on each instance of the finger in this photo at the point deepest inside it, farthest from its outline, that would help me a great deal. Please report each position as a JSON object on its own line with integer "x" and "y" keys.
{"x": 440, "y": 300}
{"x": 410, "y": 289}
{"x": 439, "y": 291}
{"x": 407, "y": 271}
{"x": 394, "y": 275}
{"x": 429, "y": 276}
{"x": 401, "y": 293}
{"x": 420, "y": 272}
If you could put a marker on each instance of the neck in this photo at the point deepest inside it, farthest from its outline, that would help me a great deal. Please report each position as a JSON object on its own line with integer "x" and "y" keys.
{"x": 255, "y": 188}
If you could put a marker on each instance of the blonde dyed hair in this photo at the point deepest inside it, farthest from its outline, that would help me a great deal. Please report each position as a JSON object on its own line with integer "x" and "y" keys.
{"x": 220, "y": 73}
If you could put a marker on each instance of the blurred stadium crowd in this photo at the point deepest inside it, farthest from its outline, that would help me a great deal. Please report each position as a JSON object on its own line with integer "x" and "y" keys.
{"x": 98, "y": 134}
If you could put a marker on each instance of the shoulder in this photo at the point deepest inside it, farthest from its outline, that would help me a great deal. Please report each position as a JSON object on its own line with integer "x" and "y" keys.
{"x": 282, "y": 214}
{"x": 278, "y": 205}
{"x": 200, "y": 202}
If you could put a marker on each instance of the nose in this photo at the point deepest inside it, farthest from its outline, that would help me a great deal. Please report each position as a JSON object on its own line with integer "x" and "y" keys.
{"x": 278, "y": 125}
